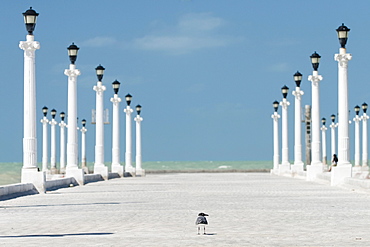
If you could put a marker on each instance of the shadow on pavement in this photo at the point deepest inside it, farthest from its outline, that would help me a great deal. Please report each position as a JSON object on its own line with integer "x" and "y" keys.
{"x": 59, "y": 235}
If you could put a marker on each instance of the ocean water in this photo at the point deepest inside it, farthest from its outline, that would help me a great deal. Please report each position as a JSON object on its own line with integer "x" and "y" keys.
{"x": 10, "y": 173}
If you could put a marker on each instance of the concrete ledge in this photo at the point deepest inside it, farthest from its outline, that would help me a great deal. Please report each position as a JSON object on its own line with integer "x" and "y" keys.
{"x": 112, "y": 175}
{"x": 324, "y": 176}
{"x": 205, "y": 171}
{"x": 60, "y": 183}
{"x": 91, "y": 178}
{"x": 361, "y": 183}
{"x": 15, "y": 190}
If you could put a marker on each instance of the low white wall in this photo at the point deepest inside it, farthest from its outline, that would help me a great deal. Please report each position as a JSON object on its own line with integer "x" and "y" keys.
{"x": 16, "y": 189}
{"x": 90, "y": 178}
{"x": 60, "y": 183}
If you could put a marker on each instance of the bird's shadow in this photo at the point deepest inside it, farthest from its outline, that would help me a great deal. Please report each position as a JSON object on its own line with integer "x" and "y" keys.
{"x": 210, "y": 234}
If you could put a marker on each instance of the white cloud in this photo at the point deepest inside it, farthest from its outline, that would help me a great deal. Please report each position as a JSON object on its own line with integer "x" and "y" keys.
{"x": 99, "y": 41}
{"x": 192, "y": 32}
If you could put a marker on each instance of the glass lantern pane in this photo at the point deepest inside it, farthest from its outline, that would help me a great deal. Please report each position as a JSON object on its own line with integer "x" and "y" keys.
{"x": 29, "y": 19}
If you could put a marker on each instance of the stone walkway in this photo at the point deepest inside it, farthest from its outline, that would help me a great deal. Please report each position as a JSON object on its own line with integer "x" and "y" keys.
{"x": 246, "y": 209}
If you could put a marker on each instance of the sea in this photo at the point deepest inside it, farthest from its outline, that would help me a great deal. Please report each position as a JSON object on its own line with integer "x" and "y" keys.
{"x": 10, "y": 173}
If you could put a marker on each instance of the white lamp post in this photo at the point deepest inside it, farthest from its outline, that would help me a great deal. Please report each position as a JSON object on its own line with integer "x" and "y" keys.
{"x": 275, "y": 118}
{"x": 357, "y": 120}
{"x": 316, "y": 166}
{"x": 44, "y": 122}
{"x": 30, "y": 172}
{"x": 285, "y": 165}
{"x": 323, "y": 137}
{"x": 53, "y": 160}
{"x": 116, "y": 166}
{"x": 298, "y": 164}
{"x": 138, "y": 119}
{"x": 99, "y": 167}
{"x": 333, "y": 125}
{"x": 129, "y": 169}
{"x": 364, "y": 119}
{"x": 83, "y": 147}
{"x": 72, "y": 145}
{"x": 344, "y": 167}
{"x": 62, "y": 125}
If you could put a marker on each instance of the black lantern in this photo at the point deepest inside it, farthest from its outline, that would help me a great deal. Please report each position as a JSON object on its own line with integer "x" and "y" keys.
{"x": 357, "y": 110}
{"x": 275, "y": 104}
{"x": 285, "y": 91}
{"x": 343, "y": 35}
{"x": 297, "y": 78}
{"x": 30, "y": 17}
{"x": 62, "y": 115}
{"x": 99, "y": 72}
{"x": 128, "y": 99}
{"x": 323, "y": 120}
{"x": 53, "y": 113}
{"x": 364, "y": 107}
{"x": 138, "y": 109}
{"x": 45, "y": 111}
{"x": 83, "y": 122}
{"x": 115, "y": 86}
{"x": 72, "y": 53}
{"x": 332, "y": 118}
{"x": 315, "y": 60}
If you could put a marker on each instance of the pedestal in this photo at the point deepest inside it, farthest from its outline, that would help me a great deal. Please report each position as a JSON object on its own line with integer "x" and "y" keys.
{"x": 297, "y": 168}
{"x": 284, "y": 169}
{"x": 77, "y": 174}
{"x": 313, "y": 170}
{"x": 140, "y": 172}
{"x": 338, "y": 173}
{"x": 38, "y": 179}
{"x": 118, "y": 169}
{"x": 102, "y": 170}
{"x": 130, "y": 172}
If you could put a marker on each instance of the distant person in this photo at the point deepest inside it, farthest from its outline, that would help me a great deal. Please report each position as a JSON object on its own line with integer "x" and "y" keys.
{"x": 334, "y": 162}
{"x": 201, "y": 221}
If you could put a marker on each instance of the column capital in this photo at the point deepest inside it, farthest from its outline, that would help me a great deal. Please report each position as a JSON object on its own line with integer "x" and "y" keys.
{"x": 128, "y": 111}
{"x": 53, "y": 122}
{"x": 357, "y": 119}
{"x": 44, "y": 120}
{"x": 315, "y": 79}
{"x": 323, "y": 128}
{"x": 138, "y": 119}
{"x": 29, "y": 45}
{"x": 115, "y": 99}
{"x": 83, "y": 130}
{"x": 72, "y": 72}
{"x": 333, "y": 125}
{"x": 343, "y": 59}
{"x": 99, "y": 88}
{"x": 298, "y": 93}
{"x": 275, "y": 116}
{"x": 62, "y": 124}
{"x": 285, "y": 103}
{"x": 364, "y": 117}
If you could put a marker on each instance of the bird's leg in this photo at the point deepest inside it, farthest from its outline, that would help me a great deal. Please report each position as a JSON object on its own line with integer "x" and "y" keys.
{"x": 198, "y": 229}
{"x": 204, "y": 230}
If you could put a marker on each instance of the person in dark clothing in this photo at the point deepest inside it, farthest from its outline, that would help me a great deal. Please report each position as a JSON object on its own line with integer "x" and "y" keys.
{"x": 334, "y": 162}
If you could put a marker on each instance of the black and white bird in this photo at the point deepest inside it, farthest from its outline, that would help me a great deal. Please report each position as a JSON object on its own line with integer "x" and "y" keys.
{"x": 201, "y": 221}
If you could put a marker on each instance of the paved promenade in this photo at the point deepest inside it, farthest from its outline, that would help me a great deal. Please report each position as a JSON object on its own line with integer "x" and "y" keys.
{"x": 246, "y": 209}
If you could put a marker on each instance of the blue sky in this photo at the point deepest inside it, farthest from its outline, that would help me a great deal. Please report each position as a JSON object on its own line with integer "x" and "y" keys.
{"x": 205, "y": 72}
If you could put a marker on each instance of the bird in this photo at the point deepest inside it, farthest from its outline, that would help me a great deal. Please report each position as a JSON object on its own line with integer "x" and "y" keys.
{"x": 201, "y": 221}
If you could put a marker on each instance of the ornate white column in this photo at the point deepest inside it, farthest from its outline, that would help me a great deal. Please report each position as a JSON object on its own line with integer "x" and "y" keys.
{"x": 364, "y": 119}
{"x": 357, "y": 120}
{"x": 344, "y": 167}
{"x": 62, "y": 125}
{"x": 275, "y": 117}
{"x": 298, "y": 163}
{"x": 129, "y": 169}
{"x": 44, "y": 122}
{"x": 323, "y": 137}
{"x": 316, "y": 166}
{"x": 333, "y": 125}
{"x": 83, "y": 147}
{"x": 285, "y": 165}
{"x": 53, "y": 160}
{"x": 30, "y": 172}
{"x": 99, "y": 167}
{"x": 72, "y": 145}
{"x": 138, "y": 119}
{"x": 116, "y": 159}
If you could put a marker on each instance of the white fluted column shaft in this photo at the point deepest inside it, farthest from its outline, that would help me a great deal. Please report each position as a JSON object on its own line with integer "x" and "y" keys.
{"x": 315, "y": 78}
{"x": 364, "y": 119}
{"x": 284, "y": 133}
{"x": 53, "y": 158}
{"x": 115, "y": 131}
{"x": 83, "y": 146}
{"x": 72, "y": 145}
{"x": 323, "y": 137}
{"x": 357, "y": 120}
{"x": 297, "y": 127}
{"x": 333, "y": 140}
{"x": 138, "y": 159}
{"x": 128, "y": 154}
{"x": 99, "y": 131}
{"x": 343, "y": 120}
{"x": 29, "y": 104}
{"x": 62, "y": 161}
{"x": 276, "y": 157}
{"x": 44, "y": 122}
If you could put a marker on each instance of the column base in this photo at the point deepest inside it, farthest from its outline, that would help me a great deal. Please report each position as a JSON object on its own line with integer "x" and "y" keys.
{"x": 118, "y": 169}
{"x": 313, "y": 170}
{"x": 102, "y": 170}
{"x": 77, "y": 174}
{"x": 364, "y": 168}
{"x": 284, "y": 169}
{"x": 297, "y": 167}
{"x": 129, "y": 171}
{"x": 37, "y": 178}
{"x": 140, "y": 173}
{"x": 339, "y": 172}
